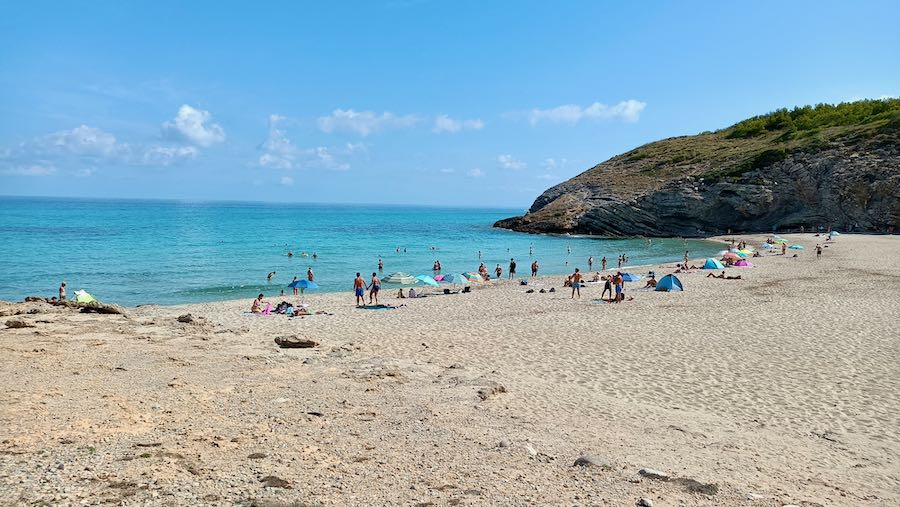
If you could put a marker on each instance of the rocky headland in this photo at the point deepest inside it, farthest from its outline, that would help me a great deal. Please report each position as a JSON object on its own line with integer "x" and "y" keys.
{"x": 823, "y": 166}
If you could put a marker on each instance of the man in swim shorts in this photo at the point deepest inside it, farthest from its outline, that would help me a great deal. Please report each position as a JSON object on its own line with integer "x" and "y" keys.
{"x": 576, "y": 283}
{"x": 512, "y": 269}
{"x": 374, "y": 287}
{"x": 359, "y": 288}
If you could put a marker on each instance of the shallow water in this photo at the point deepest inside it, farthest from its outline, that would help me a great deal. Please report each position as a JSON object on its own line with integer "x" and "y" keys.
{"x": 171, "y": 252}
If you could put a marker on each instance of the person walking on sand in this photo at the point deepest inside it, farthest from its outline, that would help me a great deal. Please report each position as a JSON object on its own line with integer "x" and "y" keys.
{"x": 62, "y": 291}
{"x": 359, "y": 288}
{"x": 576, "y": 283}
{"x": 603, "y": 263}
{"x": 512, "y": 269}
{"x": 591, "y": 263}
{"x": 374, "y": 287}
{"x": 310, "y": 275}
{"x": 534, "y": 269}
{"x": 296, "y": 290}
{"x": 499, "y": 271}
{"x": 620, "y": 286}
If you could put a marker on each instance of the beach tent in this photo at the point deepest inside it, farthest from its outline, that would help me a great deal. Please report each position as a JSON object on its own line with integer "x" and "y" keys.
{"x": 834, "y": 233}
{"x": 669, "y": 283}
{"x": 399, "y": 278}
{"x": 768, "y": 246}
{"x": 82, "y": 296}
{"x": 796, "y": 247}
{"x": 743, "y": 263}
{"x": 628, "y": 277}
{"x": 713, "y": 264}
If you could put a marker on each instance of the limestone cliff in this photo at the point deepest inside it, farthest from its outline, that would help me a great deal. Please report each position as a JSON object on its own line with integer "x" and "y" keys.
{"x": 824, "y": 166}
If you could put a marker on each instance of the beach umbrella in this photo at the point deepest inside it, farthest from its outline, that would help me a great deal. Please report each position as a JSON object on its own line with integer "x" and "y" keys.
{"x": 767, "y": 246}
{"x": 834, "y": 233}
{"x": 628, "y": 277}
{"x": 427, "y": 280}
{"x": 456, "y": 279}
{"x": 302, "y": 285}
{"x": 745, "y": 251}
{"x": 796, "y": 247}
{"x": 82, "y": 296}
{"x": 438, "y": 278}
{"x": 473, "y": 277}
{"x": 743, "y": 264}
{"x": 731, "y": 255}
{"x": 399, "y": 278}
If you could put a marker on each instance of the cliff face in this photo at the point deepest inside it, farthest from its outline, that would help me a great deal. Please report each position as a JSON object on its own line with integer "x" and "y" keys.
{"x": 845, "y": 176}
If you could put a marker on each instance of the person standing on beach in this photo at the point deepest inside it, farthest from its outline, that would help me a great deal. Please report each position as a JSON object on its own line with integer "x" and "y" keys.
{"x": 784, "y": 249}
{"x": 818, "y": 253}
{"x": 374, "y": 287}
{"x": 607, "y": 286}
{"x": 619, "y": 282}
{"x": 499, "y": 271}
{"x": 309, "y": 274}
{"x": 603, "y": 263}
{"x": 534, "y": 269}
{"x": 62, "y": 291}
{"x": 296, "y": 290}
{"x": 576, "y": 283}
{"x": 685, "y": 257}
{"x": 359, "y": 288}
{"x": 591, "y": 263}
{"x": 512, "y": 269}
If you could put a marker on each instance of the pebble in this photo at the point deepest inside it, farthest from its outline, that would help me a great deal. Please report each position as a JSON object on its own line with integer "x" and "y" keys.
{"x": 531, "y": 450}
{"x": 645, "y": 502}
{"x": 503, "y": 443}
{"x": 587, "y": 460}
{"x": 650, "y": 473}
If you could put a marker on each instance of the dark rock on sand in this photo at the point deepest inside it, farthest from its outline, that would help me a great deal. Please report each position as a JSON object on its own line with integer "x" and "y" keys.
{"x": 295, "y": 342}
{"x": 270, "y": 481}
{"x": 490, "y": 390}
{"x": 588, "y": 460}
{"x": 257, "y": 455}
{"x": 17, "y": 324}
{"x": 103, "y": 308}
{"x": 653, "y": 474}
{"x": 187, "y": 318}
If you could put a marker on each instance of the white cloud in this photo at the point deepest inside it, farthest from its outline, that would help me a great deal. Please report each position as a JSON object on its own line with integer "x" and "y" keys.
{"x": 193, "y": 126}
{"x": 627, "y": 111}
{"x": 475, "y": 173}
{"x": 84, "y": 140}
{"x": 363, "y": 122}
{"x": 168, "y": 155}
{"x": 286, "y": 181}
{"x": 508, "y": 162}
{"x": 280, "y": 152}
{"x": 548, "y": 177}
{"x": 446, "y": 171}
{"x": 444, "y": 123}
{"x": 30, "y": 170}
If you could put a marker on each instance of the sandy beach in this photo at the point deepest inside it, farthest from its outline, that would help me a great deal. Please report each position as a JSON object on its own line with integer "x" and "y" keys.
{"x": 782, "y": 388}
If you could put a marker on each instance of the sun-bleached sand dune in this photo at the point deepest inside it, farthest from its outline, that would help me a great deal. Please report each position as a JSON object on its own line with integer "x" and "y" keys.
{"x": 782, "y": 388}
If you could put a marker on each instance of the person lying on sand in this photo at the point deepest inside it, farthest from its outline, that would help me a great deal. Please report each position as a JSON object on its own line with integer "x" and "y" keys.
{"x": 722, "y": 276}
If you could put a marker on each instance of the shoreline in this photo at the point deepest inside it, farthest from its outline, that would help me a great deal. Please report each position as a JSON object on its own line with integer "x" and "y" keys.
{"x": 772, "y": 390}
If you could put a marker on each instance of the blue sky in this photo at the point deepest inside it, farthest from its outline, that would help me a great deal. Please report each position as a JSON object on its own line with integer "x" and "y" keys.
{"x": 451, "y": 103}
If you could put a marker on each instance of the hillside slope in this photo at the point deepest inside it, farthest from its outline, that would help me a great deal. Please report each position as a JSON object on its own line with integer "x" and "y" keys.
{"x": 812, "y": 166}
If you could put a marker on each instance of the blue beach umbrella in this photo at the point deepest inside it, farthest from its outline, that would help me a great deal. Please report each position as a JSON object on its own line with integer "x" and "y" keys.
{"x": 427, "y": 280}
{"x": 456, "y": 279}
{"x": 303, "y": 284}
{"x": 796, "y": 247}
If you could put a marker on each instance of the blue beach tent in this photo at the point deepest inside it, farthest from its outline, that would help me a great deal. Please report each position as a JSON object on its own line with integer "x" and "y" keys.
{"x": 669, "y": 283}
{"x": 713, "y": 264}
{"x": 628, "y": 277}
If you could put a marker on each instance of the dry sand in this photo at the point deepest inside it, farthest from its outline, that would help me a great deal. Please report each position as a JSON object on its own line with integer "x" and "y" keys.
{"x": 781, "y": 388}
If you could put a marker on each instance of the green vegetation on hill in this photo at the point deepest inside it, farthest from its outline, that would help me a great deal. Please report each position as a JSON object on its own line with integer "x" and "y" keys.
{"x": 761, "y": 141}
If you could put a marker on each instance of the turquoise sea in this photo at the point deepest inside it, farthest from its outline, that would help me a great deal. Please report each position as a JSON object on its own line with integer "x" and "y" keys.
{"x": 169, "y": 252}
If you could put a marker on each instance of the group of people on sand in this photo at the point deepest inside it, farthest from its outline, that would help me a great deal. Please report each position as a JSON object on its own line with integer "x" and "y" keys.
{"x": 360, "y": 287}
